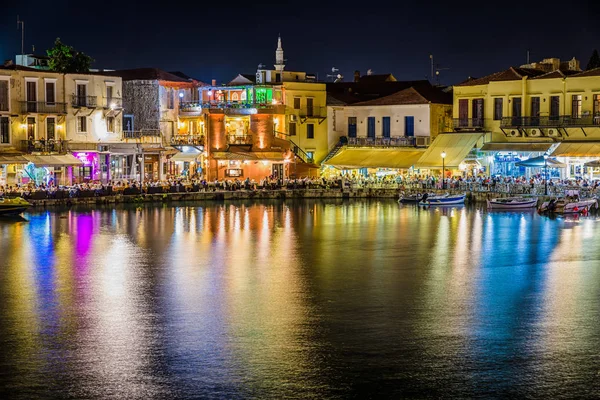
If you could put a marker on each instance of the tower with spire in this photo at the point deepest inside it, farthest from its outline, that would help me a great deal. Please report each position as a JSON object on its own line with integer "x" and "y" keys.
{"x": 279, "y": 62}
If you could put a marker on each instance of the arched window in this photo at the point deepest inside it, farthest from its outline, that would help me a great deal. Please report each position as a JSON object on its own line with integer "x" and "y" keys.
{"x": 234, "y": 96}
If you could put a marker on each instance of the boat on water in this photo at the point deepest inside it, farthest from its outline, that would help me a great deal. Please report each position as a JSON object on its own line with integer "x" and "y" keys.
{"x": 447, "y": 200}
{"x": 13, "y": 206}
{"x": 416, "y": 198}
{"x": 511, "y": 203}
{"x": 568, "y": 205}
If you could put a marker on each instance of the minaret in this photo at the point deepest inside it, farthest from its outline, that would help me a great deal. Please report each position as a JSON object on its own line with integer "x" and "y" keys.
{"x": 279, "y": 65}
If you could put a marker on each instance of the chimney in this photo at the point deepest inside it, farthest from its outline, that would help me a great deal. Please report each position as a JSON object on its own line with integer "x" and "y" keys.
{"x": 214, "y": 82}
{"x": 356, "y": 76}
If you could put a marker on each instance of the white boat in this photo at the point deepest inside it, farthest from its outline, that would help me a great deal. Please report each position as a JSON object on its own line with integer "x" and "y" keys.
{"x": 568, "y": 205}
{"x": 415, "y": 198}
{"x": 14, "y": 206}
{"x": 442, "y": 200}
{"x": 511, "y": 203}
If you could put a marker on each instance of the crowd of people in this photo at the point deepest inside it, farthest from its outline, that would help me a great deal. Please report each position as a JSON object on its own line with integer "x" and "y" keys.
{"x": 532, "y": 185}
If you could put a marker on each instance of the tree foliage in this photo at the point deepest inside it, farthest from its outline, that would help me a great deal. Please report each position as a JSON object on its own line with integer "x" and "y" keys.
{"x": 66, "y": 59}
{"x": 594, "y": 61}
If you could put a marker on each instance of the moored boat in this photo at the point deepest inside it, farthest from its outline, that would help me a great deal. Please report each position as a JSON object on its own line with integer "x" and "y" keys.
{"x": 13, "y": 206}
{"x": 511, "y": 203}
{"x": 415, "y": 198}
{"x": 568, "y": 205}
{"x": 442, "y": 200}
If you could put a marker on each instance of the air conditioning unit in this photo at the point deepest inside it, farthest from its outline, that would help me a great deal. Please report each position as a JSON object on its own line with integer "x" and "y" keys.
{"x": 514, "y": 133}
{"x": 103, "y": 149}
{"x": 535, "y": 133}
{"x": 552, "y": 132}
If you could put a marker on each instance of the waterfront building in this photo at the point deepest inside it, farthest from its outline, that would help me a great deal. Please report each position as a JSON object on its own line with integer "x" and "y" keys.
{"x": 57, "y": 127}
{"x": 163, "y": 132}
{"x": 380, "y": 125}
{"x": 271, "y": 124}
{"x": 549, "y": 108}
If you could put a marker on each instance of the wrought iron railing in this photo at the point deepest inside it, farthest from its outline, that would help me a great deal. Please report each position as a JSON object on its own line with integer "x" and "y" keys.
{"x": 43, "y": 107}
{"x": 142, "y": 133}
{"x": 468, "y": 123}
{"x": 83, "y": 101}
{"x": 45, "y": 146}
{"x": 394, "y": 141}
{"x": 557, "y": 121}
{"x": 112, "y": 102}
{"x": 297, "y": 150}
{"x": 239, "y": 139}
{"x": 187, "y": 140}
{"x": 190, "y": 106}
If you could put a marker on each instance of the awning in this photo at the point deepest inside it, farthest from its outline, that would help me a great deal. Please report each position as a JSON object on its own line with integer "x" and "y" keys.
{"x": 351, "y": 158}
{"x": 250, "y": 155}
{"x": 537, "y": 162}
{"x": 577, "y": 149}
{"x": 54, "y": 160}
{"x": 187, "y": 157}
{"x": 14, "y": 159}
{"x": 514, "y": 147}
{"x": 455, "y": 145}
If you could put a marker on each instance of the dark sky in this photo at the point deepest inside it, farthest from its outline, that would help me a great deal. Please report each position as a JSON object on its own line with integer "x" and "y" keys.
{"x": 218, "y": 39}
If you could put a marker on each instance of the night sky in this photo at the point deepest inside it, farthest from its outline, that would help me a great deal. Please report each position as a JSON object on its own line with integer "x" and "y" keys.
{"x": 223, "y": 38}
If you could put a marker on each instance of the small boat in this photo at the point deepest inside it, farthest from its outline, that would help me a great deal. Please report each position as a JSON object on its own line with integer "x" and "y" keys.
{"x": 13, "y": 206}
{"x": 442, "y": 200}
{"x": 568, "y": 205}
{"x": 511, "y": 203}
{"x": 415, "y": 198}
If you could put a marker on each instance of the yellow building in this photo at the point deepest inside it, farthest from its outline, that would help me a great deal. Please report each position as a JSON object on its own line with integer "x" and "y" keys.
{"x": 521, "y": 113}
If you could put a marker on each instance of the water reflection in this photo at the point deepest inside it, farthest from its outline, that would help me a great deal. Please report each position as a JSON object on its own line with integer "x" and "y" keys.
{"x": 306, "y": 299}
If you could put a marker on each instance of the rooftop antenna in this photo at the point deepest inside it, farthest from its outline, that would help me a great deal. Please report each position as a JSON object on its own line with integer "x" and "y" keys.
{"x": 527, "y": 56}
{"x": 431, "y": 76}
{"x": 334, "y": 74}
{"x": 22, "y": 37}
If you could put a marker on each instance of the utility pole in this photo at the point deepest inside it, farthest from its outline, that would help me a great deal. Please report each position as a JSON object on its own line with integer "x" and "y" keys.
{"x": 22, "y": 37}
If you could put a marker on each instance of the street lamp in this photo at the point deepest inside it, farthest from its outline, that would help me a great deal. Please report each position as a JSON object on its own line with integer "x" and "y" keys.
{"x": 443, "y": 170}
{"x": 546, "y": 174}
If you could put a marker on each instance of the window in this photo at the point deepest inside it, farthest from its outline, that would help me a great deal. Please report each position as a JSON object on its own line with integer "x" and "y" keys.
{"x": 277, "y": 77}
{"x": 4, "y": 130}
{"x": 554, "y": 107}
{"x": 82, "y": 124}
{"x": 109, "y": 94}
{"x": 110, "y": 124}
{"x": 371, "y": 127}
{"x": 310, "y": 155}
{"x": 50, "y": 128}
{"x": 576, "y": 106}
{"x": 3, "y": 95}
{"x": 351, "y": 127}
{"x": 310, "y": 131}
{"x": 516, "y": 111}
{"x": 170, "y": 98}
{"x": 296, "y": 103}
{"x": 498, "y": 108}
{"x": 31, "y": 95}
{"x": 81, "y": 95}
{"x": 535, "y": 111}
{"x": 50, "y": 93}
{"x": 292, "y": 131}
{"x": 463, "y": 112}
{"x": 234, "y": 96}
{"x": 128, "y": 123}
{"x": 409, "y": 126}
{"x": 597, "y": 105}
{"x": 385, "y": 129}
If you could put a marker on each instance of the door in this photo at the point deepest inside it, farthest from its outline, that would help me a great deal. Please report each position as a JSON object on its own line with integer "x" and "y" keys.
{"x": 535, "y": 111}
{"x": 371, "y": 128}
{"x": 554, "y": 107}
{"x": 51, "y": 128}
{"x": 31, "y": 96}
{"x": 277, "y": 171}
{"x": 109, "y": 96}
{"x": 309, "y": 107}
{"x": 516, "y": 111}
{"x": 386, "y": 131}
{"x": 351, "y": 127}
{"x": 409, "y": 126}
{"x": 463, "y": 113}
{"x": 477, "y": 112}
{"x": 81, "y": 95}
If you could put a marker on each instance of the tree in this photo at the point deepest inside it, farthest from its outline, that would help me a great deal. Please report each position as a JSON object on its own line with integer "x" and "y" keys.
{"x": 66, "y": 59}
{"x": 594, "y": 61}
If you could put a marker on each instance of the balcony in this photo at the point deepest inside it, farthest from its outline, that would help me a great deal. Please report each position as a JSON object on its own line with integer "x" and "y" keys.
{"x": 313, "y": 112}
{"x": 45, "y": 146}
{"x": 187, "y": 140}
{"x": 563, "y": 121}
{"x": 41, "y": 107}
{"x": 468, "y": 124}
{"x": 244, "y": 108}
{"x": 83, "y": 101}
{"x": 112, "y": 103}
{"x": 190, "y": 108}
{"x": 143, "y": 136}
{"x": 239, "y": 139}
{"x": 394, "y": 141}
